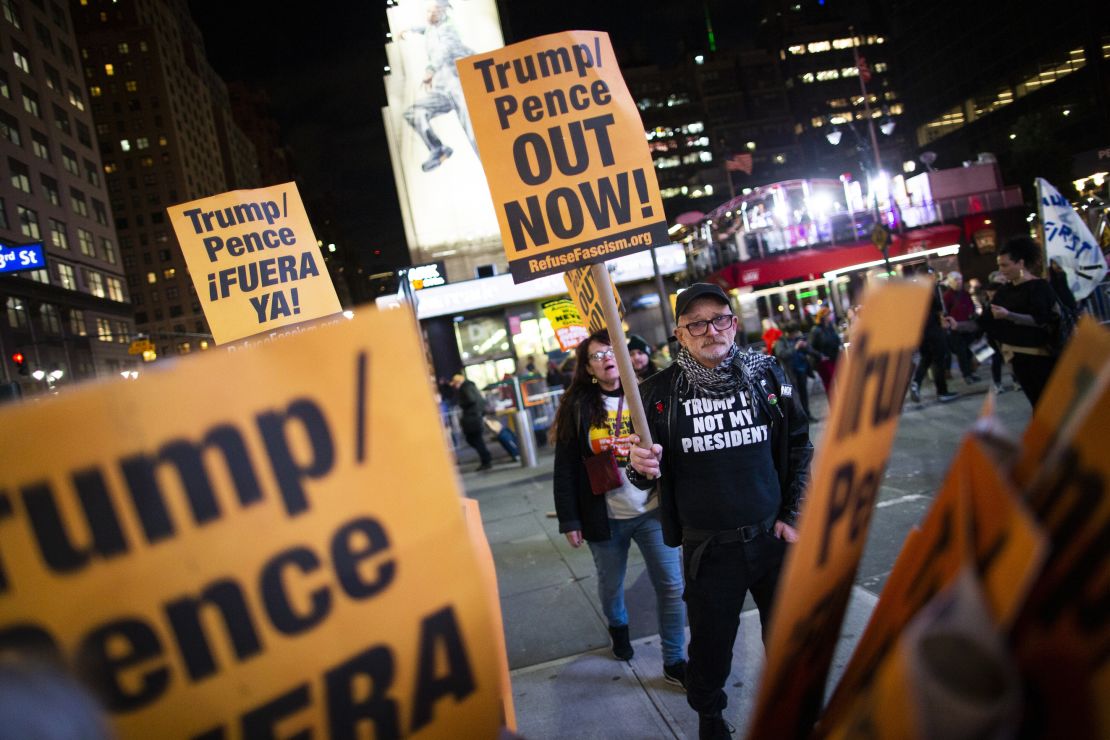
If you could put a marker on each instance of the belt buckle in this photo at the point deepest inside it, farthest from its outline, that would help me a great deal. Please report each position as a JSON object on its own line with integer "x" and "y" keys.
{"x": 750, "y": 532}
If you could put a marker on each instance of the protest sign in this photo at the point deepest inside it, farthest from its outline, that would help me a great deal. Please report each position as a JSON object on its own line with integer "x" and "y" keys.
{"x": 564, "y": 153}
{"x": 254, "y": 261}
{"x": 819, "y": 570}
{"x": 1062, "y": 636}
{"x": 566, "y": 322}
{"x": 977, "y": 524}
{"x": 1080, "y": 372}
{"x": 587, "y": 297}
{"x": 1069, "y": 242}
{"x": 254, "y": 544}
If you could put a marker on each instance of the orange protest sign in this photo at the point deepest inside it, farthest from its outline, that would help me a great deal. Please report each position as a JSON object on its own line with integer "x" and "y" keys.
{"x": 976, "y": 522}
{"x": 817, "y": 581}
{"x": 1062, "y": 636}
{"x": 254, "y": 544}
{"x": 584, "y": 292}
{"x": 1084, "y": 365}
{"x": 254, "y": 261}
{"x": 564, "y": 153}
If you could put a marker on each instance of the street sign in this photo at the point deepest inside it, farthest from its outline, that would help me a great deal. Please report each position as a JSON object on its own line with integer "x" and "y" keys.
{"x": 140, "y": 346}
{"x": 22, "y": 257}
{"x": 880, "y": 236}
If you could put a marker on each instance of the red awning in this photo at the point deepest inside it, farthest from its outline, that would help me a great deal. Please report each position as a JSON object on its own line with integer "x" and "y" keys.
{"x": 813, "y": 263}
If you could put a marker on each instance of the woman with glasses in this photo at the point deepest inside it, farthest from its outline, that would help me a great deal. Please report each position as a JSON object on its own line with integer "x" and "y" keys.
{"x": 593, "y": 420}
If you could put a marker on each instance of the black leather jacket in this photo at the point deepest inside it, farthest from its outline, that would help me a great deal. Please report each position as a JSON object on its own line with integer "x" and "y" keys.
{"x": 790, "y": 445}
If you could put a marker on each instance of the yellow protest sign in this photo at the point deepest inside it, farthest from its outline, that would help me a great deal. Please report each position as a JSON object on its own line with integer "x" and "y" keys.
{"x": 254, "y": 544}
{"x": 584, "y": 292}
{"x": 818, "y": 574}
{"x": 564, "y": 153}
{"x": 254, "y": 261}
{"x": 976, "y": 522}
{"x": 1062, "y": 636}
{"x": 1084, "y": 365}
{"x": 566, "y": 322}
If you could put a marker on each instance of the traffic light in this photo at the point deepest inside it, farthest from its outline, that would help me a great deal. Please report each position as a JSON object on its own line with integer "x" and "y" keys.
{"x": 21, "y": 363}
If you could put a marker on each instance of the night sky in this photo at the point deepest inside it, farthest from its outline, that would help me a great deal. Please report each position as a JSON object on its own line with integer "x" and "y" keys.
{"x": 322, "y": 67}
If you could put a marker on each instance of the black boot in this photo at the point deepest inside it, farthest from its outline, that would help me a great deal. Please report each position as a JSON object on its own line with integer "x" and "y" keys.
{"x": 622, "y": 646}
{"x": 714, "y": 727}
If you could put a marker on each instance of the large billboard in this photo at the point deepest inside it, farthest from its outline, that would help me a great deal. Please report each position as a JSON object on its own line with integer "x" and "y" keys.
{"x": 440, "y": 183}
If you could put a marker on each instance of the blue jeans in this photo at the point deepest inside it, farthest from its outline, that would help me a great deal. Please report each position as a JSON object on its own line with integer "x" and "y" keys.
{"x": 664, "y": 566}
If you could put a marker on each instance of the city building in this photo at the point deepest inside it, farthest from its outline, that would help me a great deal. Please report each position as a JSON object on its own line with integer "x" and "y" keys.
{"x": 72, "y": 320}
{"x": 167, "y": 136}
{"x": 824, "y": 49}
{"x": 1029, "y": 84}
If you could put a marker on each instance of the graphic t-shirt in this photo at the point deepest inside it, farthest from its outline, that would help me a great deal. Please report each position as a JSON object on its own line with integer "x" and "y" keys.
{"x": 725, "y": 476}
{"x": 627, "y": 501}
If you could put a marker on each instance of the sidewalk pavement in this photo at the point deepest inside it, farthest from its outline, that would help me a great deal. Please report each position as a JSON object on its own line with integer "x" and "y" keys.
{"x": 565, "y": 681}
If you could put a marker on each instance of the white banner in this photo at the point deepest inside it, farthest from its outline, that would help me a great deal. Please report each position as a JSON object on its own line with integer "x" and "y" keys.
{"x": 1069, "y": 242}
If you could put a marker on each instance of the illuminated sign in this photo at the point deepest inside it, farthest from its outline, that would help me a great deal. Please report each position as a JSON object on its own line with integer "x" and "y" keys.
{"x": 22, "y": 257}
{"x": 431, "y": 275}
{"x": 441, "y": 188}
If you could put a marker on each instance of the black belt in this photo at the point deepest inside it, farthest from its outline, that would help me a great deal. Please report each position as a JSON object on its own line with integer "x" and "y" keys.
{"x": 722, "y": 537}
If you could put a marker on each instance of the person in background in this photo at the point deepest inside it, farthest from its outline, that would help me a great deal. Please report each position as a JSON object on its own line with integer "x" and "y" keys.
{"x": 825, "y": 340}
{"x": 794, "y": 354}
{"x": 640, "y": 352}
{"x": 663, "y": 355}
{"x": 1058, "y": 279}
{"x": 530, "y": 365}
{"x": 556, "y": 378}
{"x": 994, "y": 282}
{"x": 472, "y": 404}
{"x": 1023, "y": 316}
{"x": 933, "y": 351}
{"x": 771, "y": 334}
{"x": 959, "y": 305}
{"x": 730, "y": 497}
{"x": 592, "y": 420}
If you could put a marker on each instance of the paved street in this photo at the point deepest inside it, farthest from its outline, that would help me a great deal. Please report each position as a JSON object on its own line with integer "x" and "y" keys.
{"x": 565, "y": 683}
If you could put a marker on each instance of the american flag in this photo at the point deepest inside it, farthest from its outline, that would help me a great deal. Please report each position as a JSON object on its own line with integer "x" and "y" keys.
{"x": 864, "y": 70}
{"x": 739, "y": 163}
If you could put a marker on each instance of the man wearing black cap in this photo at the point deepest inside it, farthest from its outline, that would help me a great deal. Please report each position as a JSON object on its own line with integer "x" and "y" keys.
{"x": 731, "y": 456}
{"x": 640, "y": 352}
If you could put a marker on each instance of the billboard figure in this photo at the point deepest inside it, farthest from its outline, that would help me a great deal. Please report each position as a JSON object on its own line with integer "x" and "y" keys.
{"x": 441, "y": 81}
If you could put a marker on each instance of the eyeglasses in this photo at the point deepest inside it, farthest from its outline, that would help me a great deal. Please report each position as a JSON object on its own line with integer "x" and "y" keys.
{"x": 604, "y": 355}
{"x": 720, "y": 323}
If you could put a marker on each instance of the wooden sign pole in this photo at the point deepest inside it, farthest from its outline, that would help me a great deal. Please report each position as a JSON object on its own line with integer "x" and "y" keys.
{"x": 619, "y": 341}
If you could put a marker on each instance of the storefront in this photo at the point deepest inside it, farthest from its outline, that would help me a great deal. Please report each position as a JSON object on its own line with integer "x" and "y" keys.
{"x": 493, "y": 327}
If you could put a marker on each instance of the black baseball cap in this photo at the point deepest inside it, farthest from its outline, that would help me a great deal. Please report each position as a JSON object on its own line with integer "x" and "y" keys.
{"x": 695, "y": 291}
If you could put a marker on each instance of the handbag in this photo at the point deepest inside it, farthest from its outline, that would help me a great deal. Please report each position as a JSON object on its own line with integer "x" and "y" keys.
{"x": 602, "y": 468}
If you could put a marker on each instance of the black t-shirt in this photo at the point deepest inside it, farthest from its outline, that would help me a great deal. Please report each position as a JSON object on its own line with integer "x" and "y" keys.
{"x": 1034, "y": 298}
{"x": 725, "y": 476}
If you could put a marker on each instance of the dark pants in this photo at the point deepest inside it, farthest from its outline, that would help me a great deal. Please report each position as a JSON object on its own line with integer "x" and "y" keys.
{"x": 960, "y": 345}
{"x": 996, "y": 363}
{"x": 474, "y": 439}
{"x": 1032, "y": 371}
{"x": 935, "y": 355}
{"x": 713, "y": 603}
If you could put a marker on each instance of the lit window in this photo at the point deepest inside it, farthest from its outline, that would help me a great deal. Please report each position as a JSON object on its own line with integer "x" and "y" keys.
{"x": 123, "y": 48}
{"x": 109, "y": 70}
{"x": 125, "y": 145}
{"x": 169, "y": 273}
{"x": 817, "y": 46}
{"x": 142, "y": 142}
{"x": 95, "y": 91}
{"x": 132, "y": 86}
{"x": 151, "y": 278}
{"x": 797, "y": 49}
{"x": 844, "y": 72}
{"x": 807, "y": 77}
